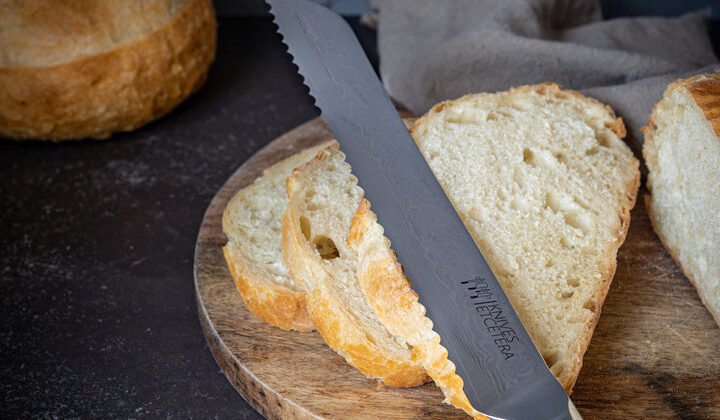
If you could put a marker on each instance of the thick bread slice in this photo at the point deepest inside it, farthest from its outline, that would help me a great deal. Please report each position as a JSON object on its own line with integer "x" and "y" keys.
{"x": 544, "y": 183}
{"x": 682, "y": 153}
{"x": 323, "y": 197}
{"x": 252, "y": 222}
{"x": 395, "y": 303}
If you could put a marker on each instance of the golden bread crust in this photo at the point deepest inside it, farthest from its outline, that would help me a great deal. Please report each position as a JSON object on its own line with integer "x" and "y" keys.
{"x": 396, "y": 304}
{"x": 327, "y": 312}
{"x": 268, "y": 293}
{"x": 41, "y": 33}
{"x": 339, "y": 333}
{"x": 705, "y": 90}
{"x": 118, "y": 90}
{"x": 276, "y": 305}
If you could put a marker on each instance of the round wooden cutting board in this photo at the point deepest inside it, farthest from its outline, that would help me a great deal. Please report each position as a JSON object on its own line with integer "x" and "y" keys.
{"x": 655, "y": 352}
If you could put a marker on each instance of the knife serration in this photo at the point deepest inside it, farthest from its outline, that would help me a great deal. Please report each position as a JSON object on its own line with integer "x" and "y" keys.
{"x": 504, "y": 375}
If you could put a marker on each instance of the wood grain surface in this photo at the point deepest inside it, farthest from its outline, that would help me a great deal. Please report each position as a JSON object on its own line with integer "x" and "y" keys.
{"x": 655, "y": 352}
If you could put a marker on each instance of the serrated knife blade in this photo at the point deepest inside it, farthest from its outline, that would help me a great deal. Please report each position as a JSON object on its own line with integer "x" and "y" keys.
{"x": 504, "y": 375}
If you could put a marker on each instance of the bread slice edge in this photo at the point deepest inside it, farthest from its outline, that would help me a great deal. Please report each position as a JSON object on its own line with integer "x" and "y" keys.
{"x": 703, "y": 89}
{"x": 340, "y": 330}
{"x": 608, "y": 269}
{"x": 274, "y": 303}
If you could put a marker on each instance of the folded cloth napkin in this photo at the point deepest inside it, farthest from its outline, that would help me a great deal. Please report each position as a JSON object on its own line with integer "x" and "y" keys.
{"x": 432, "y": 51}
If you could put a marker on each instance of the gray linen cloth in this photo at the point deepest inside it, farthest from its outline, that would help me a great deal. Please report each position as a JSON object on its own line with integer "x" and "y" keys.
{"x": 434, "y": 50}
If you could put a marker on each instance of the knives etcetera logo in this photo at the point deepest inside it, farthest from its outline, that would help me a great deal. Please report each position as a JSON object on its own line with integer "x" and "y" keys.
{"x": 491, "y": 314}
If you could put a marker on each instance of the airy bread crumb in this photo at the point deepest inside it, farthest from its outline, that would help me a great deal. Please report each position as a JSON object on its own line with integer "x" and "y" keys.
{"x": 682, "y": 153}
{"x": 323, "y": 197}
{"x": 544, "y": 183}
{"x": 251, "y": 222}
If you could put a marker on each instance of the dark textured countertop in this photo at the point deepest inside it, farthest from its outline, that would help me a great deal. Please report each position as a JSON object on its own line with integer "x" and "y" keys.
{"x": 98, "y": 303}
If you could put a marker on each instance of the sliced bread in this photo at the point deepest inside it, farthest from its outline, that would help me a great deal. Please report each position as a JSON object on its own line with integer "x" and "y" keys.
{"x": 252, "y": 222}
{"x": 545, "y": 185}
{"x": 323, "y": 198}
{"x": 682, "y": 153}
{"x": 390, "y": 295}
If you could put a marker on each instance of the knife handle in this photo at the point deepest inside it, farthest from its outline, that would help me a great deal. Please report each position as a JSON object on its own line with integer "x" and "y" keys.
{"x": 573, "y": 411}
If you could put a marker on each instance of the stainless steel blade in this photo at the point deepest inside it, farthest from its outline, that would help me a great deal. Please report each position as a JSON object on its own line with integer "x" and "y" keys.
{"x": 503, "y": 372}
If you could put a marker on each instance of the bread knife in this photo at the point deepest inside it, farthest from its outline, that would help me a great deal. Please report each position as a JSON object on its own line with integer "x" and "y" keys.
{"x": 504, "y": 375}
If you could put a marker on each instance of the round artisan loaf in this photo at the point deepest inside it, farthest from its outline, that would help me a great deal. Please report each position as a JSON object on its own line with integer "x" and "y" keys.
{"x": 89, "y": 68}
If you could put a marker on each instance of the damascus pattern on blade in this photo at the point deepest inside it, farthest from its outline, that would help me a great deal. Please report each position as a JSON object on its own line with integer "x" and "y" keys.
{"x": 504, "y": 376}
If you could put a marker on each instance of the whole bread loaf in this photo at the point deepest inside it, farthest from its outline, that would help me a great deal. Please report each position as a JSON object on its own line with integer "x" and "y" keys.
{"x": 89, "y": 68}
{"x": 682, "y": 153}
{"x": 252, "y": 222}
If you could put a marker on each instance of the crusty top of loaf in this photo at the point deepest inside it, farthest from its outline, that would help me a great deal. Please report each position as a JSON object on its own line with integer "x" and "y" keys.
{"x": 705, "y": 91}
{"x": 41, "y": 33}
